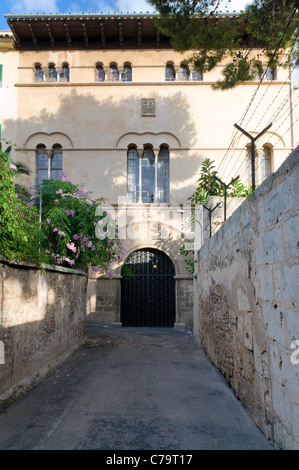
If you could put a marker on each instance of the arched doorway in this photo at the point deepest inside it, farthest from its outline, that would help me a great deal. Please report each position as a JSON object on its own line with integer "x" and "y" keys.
{"x": 148, "y": 298}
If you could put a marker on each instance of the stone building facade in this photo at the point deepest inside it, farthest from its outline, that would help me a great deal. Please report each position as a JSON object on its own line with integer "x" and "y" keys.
{"x": 108, "y": 101}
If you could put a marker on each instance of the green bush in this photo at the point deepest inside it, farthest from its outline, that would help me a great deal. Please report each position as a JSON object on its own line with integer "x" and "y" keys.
{"x": 19, "y": 227}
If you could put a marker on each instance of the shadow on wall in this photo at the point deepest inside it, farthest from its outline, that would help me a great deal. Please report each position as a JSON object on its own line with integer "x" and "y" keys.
{"x": 42, "y": 322}
{"x": 95, "y": 123}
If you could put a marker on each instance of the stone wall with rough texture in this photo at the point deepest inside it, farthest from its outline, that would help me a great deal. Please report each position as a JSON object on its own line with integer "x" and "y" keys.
{"x": 246, "y": 317}
{"x": 42, "y": 323}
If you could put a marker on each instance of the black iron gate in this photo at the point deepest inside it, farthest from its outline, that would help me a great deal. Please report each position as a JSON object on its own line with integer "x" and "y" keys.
{"x": 148, "y": 298}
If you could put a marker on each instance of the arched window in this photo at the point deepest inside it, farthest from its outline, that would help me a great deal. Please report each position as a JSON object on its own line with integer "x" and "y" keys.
{"x": 271, "y": 73}
{"x": 52, "y": 73}
{"x": 65, "y": 73}
{"x": 48, "y": 162}
{"x": 133, "y": 175}
{"x": 265, "y": 163}
{"x": 56, "y": 162}
{"x": 169, "y": 73}
{"x": 148, "y": 174}
{"x": 100, "y": 73}
{"x": 258, "y": 70}
{"x": 183, "y": 73}
{"x": 38, "y": 73}
{"x": 113, "y": 75}
{"x": 126, "y": 76}
{"x": 42, "y": 171}
{"x": 163, "y": 174}
{"x": 248, "y": 166}
{"x": 196, "y": 75}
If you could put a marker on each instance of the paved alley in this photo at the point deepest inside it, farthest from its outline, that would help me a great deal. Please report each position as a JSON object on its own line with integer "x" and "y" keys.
{"x": 132, "y": 389}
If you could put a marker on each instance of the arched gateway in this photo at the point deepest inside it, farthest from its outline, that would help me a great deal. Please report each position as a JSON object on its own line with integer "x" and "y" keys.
{"x": 148, "y": 298}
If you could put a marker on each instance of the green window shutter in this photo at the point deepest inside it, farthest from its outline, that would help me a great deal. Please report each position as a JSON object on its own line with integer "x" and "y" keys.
{"x": 1, "y": 67}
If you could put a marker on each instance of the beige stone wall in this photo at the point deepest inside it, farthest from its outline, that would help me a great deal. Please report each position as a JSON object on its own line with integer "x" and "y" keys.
{"x": 95, "y": 122}
{"x": 42, "y": 324}
{"x": 156, "y": 226}
{"x": 9, "y": 60}
{"x": 246, "y": 303}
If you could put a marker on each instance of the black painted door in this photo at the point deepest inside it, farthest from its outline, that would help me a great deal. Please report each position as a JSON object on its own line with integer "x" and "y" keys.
{"x": 148, "y": 298}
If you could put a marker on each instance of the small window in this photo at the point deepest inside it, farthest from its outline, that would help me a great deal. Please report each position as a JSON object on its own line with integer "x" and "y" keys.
{"x": 248, "y": 166}
{"x": 258, "y": 71}
{"x": 265, "y": 163}
{"x": 169, "y": 73}
{"x": 38, "y": 73}
{"x": 163, "y": 174}
{"x": 100, "y": 73}
{"x": 56, "y": 162}
{"x": 133, "y": 175}
{"x": 52, "y": 73}
{"x": 196, "y": 76}
{"x": 65, "y": 73}
{"x": 271, "y": 73}
{"x": 183, "y": 73}
{"x": 42, "y": 166}
{"x": 127, "y": 73}
{"x": 113, "y": 75}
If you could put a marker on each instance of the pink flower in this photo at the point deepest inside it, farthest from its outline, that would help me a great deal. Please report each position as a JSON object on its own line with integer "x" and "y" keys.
{"x": 55, "y": 229}
{"x": 70, "y": 212}
{"x": 75, "y": 237}
{"x": 70, "y": 261}
{"x": 11, "y": 165}
{"x": 71, "y": 246}
{"x": 65, "y": 178}
{"x": 59, "y": 191}
{"x": 61, "y": 233}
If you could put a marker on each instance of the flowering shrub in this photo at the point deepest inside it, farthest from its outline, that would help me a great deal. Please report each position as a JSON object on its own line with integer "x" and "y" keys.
{"x": 68, "y": 230}
{"x": 19, "y": 229}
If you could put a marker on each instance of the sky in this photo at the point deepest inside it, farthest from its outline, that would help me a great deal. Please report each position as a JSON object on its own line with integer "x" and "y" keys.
{"x": 86, "y": 6}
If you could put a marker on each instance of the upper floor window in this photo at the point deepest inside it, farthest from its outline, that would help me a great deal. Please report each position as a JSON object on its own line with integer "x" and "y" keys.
{"x": 127, "y": 73}
{"x": 52, "y": 73}
{"x": 169, "y": 73}
{"x": 196, "y": 75}
{"x": 113, "y": 74}
{"x": 271, "y": 73}
{"x": 258, "y": 71}
{"x": 148, "y": 174}
{"x": 48, "y": 162}
{"x": 38, "y": 73}
{"x": 65, "y": 73}
{"x": 100, "y": 73}
{"x": 183, "y": 73}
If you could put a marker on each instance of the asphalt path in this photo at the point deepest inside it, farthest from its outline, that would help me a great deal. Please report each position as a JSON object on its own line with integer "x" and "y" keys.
{"x": 132, "y": 389}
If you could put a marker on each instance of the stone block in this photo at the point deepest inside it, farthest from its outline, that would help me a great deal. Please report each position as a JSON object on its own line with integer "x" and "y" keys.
{"x": 277, "y": 202}
{"x": 291, "y": 236}
{"x": 269, "y": 247}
